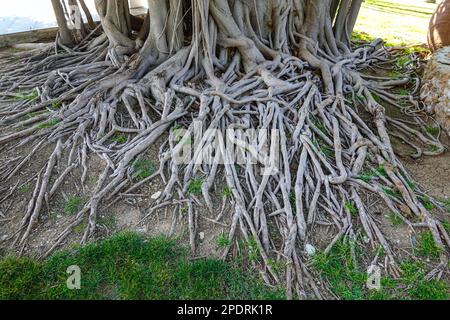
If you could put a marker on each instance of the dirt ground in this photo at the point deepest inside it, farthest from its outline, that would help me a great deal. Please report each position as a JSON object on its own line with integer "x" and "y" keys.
{"x": 126, "y": 215}
{"x": 432, "y": 174}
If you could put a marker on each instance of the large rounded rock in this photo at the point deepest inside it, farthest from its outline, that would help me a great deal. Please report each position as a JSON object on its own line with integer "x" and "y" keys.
{"x": 439, "y": 31}
{"x": 436, "y": 87}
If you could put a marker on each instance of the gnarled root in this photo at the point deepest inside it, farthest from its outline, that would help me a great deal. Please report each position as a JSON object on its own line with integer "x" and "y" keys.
{"x": 305, "y": 169}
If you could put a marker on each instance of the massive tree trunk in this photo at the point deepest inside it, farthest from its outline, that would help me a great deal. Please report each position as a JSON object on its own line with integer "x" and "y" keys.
{"x": 286, "y": 66}
{"x": 64, "y": 32}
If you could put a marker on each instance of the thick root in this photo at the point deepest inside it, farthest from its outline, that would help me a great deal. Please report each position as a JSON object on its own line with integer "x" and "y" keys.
{"x": 305, "y": 168}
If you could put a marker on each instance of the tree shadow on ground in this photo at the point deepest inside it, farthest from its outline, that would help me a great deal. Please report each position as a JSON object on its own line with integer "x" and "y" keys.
{"x": 398, "y": 8}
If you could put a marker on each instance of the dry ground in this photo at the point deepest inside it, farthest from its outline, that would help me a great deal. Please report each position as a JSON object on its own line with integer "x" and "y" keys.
{"x": 432, "y": 174}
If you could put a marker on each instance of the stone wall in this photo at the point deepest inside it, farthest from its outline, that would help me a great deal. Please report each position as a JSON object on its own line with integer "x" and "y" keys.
{"x": 435, "y": 91}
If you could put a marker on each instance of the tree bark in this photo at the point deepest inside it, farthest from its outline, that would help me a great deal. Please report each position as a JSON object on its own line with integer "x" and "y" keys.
{"x": 225, "y": 66}
{"x": 64, "y": 32}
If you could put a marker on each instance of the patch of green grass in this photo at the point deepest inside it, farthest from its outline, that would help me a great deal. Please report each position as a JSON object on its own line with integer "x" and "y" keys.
{"x": 366, "y": 176}
{"x": 223, "y": 241}
{"x": 80, "y": 228}
{"x": 362, "y": 37}
{"x": 73, "y": 205}
{"x": 446, "y": 204}
{"x": 120, "y": 138}
{"x": 417, "y": 49}
{"x": 361, "y": 99}
{"x": 184, "y": 210}
{"x": 381, "y": 251}
{"x": 32, "y": 115}
{"x": 57, "y": 105}
{"x": 433, "y": 130}
{"x": 411, "y": 184}
{"x": 446, "y": 226}
{"x": 143, "y": 169}
{"x": 350, "y": 206}
{"x": 179, "y": 132}
{"x": 129, "y": 267}
{"x": 394, "y": 74}
{"x": 49, "y": 124}
{"x": 427, "y": 203}
{"x": 382, "y": 172}
{"x": 427, "y": 246}
{"x": 348, "y": 280}
{"x": 420, "y": 288}
{"x": 392, "y": 193}
{"x": 27, "y": 96}
{"x": 227, "y": 193}
{"x": 25, "y": 188}
{"x": 20, "y": 278}
{"x": 339, "y": 269}
{"x": 176, "y": 127}
{"x": 395, "y": 220}
{"x": 324, "y": 148}
{"x": 292, "y": 199}
{"x": 320, "y": 125}
{"x": 108, "y": 221}
{"x": 253, "y": 252}
{"x": 434, "y": 148}
{"x": 13, "y": 50}
{"x": 327, "y": 150}
{"x": 399, "y": 7}
{"x": 277, "y": 265}
{"x": 377, "y": 98}
{"x": 195, "y": 187}
{"x": 402, "y": 62}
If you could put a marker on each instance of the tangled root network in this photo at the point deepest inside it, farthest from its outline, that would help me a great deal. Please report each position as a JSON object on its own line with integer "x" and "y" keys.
{"x": 215, "y": 71}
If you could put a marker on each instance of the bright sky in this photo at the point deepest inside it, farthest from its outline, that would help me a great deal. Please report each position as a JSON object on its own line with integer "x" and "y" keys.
{"x": 26, "y": 8}
{"x": 23, "y": 15}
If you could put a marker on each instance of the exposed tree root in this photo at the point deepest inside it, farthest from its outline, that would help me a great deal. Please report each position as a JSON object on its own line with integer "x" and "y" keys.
{"x": 312, "y": 101}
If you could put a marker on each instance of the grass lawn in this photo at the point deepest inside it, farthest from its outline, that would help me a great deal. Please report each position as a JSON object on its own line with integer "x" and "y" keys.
{"x": 398, "y": 22}
{"x": 129, "y": 267}
{"x": 346, "y": 279}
